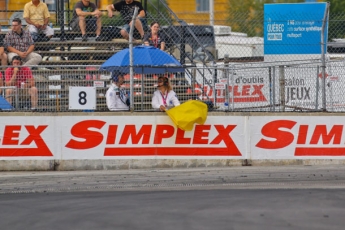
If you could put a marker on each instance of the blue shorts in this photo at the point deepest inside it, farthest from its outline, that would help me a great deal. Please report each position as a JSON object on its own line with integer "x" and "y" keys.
{"x": 126, "y": 27}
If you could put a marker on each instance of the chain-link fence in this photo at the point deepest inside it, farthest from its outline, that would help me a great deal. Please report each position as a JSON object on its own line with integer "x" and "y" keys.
{"x": 223, "y": 87}
{"x": 225, "y": 63}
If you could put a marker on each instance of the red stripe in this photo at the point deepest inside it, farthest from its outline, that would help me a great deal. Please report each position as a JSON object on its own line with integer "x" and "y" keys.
{"x": 163, "y": 151}
{"x": 301, "y": 151}
{"x": 27, "y": 152}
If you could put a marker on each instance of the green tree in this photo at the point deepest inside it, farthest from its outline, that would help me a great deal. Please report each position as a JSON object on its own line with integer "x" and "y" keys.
{"x": 157, "y": 11}
{"x": 336, "y": 28}
{"x": 247, "y": 15}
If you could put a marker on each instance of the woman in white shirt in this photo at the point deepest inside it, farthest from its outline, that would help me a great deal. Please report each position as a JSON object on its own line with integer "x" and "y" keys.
{"x": 164, "y": 97}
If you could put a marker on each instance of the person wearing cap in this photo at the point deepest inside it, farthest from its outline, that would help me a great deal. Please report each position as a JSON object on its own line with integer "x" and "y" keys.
{"x": 164, "y": 97}
{"x": 116, "y": 96}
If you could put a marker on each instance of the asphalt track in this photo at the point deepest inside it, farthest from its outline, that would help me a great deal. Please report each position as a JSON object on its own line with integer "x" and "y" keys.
{"x": 281, "y": 197}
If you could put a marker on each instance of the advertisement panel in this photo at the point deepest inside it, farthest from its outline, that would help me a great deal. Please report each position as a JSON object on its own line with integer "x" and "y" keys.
{"x": 119, "y": 137}
{"x": 155, "y": 137}
{"x": 293, "y": 31}
{"x": 298, "y": 138}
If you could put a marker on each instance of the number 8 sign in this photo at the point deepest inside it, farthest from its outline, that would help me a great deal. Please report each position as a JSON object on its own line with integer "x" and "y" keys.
{"x": 82, "y": 97}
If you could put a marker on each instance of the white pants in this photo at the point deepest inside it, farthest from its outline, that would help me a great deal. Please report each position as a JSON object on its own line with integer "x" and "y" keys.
{"x": 32, "y": 59}
{"x": 48, "y": 31}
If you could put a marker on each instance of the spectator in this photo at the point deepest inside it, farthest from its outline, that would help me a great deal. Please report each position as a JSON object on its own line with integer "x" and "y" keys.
{"x": 86, "y": 17}
{"x": 116, "y": 97}
{"x": 3, "y": 56}
{"x": 126, "y": 9}
{"x": 154, "y": 38}
{"x": 36, "y": 15}
{"x": 1, "y": 83}
{"x": 19, "y": 42}
{"x": 21, "y": 77}
{"x": 164, "y": 97}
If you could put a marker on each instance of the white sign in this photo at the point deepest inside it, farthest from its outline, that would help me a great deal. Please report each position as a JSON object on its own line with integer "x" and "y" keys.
{"x": 99, "y": 84}
{"x": 156, "y": 137}
{"x": 219, "y": 86}
{"x": 82, "y": 97}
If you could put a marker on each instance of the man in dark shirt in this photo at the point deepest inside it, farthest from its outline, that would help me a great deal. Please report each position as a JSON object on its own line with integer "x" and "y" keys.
{"x": 86, "y": 17}
{"x": 126, "y": 9}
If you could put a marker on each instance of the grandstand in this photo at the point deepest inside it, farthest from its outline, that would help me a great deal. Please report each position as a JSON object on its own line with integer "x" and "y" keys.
{"x": 69, "y": 62}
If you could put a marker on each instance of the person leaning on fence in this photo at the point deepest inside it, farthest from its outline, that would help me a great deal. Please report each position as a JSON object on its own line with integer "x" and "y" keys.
{"x": 117, "y": 98}
{"x": 164, "y": 97}
{"x": 36, "y": 15}
{"x": 154, "y": 38}
{"x": 21, "y": 77}
{"x": 19, "y": 42}
{"x": 126, "y": 9}
{"x": 87, "y": 18}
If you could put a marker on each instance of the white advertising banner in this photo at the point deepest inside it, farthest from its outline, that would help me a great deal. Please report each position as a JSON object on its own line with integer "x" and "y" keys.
{"x": 156, "y": 137}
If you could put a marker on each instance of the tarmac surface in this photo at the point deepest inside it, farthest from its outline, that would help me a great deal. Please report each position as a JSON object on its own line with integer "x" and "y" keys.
{"x": 277, "y": 197}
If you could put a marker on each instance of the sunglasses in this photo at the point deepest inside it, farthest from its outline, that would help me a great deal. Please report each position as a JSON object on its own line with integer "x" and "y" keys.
{"x": 160, "y": 81}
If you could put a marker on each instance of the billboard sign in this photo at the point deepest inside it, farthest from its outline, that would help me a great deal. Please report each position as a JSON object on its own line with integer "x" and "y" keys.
{"x": 293, "y": 31}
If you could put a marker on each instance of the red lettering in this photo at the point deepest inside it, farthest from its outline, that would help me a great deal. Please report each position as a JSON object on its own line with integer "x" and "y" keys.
{"x": 302, "y": 134}
{"x": 321, "y": 131}
{"x": 91, "y": 138}
{"x": 236, "y": 92}
{"x": 180, "y": 139}
{"x": 129, "y": 131}
{"x": 163, "y": 131}
{"x": 224, "y": 135}
{"x": 111, "y": 137}
{"x": 245, "y": 90}
{"x": 10, "y": 132}
{"x": 273, "y": 130}
{"x": 257, "y": 90}
{"x": 199, "y": 133}
{"x": 34, "y": 134}
{"x": 245, "y": 95}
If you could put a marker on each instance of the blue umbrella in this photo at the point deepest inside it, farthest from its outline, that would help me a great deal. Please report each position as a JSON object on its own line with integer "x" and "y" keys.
{"x": 4, "y": 105}
{"x": 146, "y": 60}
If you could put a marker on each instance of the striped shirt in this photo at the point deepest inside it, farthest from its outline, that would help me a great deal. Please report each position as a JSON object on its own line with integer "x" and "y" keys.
{"x": 20, "y": 42}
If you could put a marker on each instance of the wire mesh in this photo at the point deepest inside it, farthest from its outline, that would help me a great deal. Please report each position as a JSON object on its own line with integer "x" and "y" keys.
{"x": 230, "y": 53}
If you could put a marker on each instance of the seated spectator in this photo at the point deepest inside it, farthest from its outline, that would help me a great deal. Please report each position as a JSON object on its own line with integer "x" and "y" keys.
{"x": 154, "y": 38}
{"x": 116, "y": 97}
{"x": 164, "y": 97}
{"x": 3, "y": 56}
{"x": 126, "y": 9}
{"x": 19, "y": 42}
{"x": 36, "y": 15}
{"x": 87, "y": 18}
{"x": 21, "y": 77}
{"x": 1, "y": 82}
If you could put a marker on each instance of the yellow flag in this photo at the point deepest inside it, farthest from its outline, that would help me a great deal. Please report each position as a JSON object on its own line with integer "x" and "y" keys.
{"x": 187, "y": 114}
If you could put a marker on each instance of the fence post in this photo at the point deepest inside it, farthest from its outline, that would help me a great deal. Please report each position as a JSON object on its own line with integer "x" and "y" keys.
{"x": 274, "y": 87}
{"x": 282, "y": 87}
{"x": 226, "y": 72}
{"x": 323, "y": 59}
{"x": 131, "y": 72}
{"x": 62, "y": 20}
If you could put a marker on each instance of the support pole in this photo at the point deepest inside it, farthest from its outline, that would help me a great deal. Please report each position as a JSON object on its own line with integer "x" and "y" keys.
{"x": 131, "y": 72}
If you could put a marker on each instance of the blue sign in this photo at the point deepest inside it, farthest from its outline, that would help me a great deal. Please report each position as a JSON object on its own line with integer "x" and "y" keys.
{"x": 294, "y": 28}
